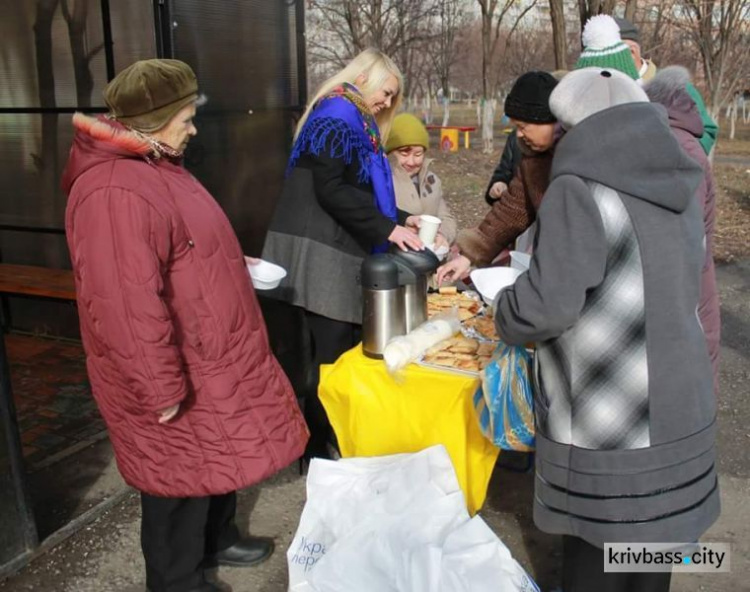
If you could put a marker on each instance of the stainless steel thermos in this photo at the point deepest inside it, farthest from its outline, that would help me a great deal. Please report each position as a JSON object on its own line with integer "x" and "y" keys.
{"x": 383, "y": 304}
{"x": 415, "y": 268}
{"x": 394, "y": 293}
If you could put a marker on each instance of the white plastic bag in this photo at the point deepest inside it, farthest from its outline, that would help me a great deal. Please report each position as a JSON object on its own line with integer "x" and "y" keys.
{"x": 395, "y": 524}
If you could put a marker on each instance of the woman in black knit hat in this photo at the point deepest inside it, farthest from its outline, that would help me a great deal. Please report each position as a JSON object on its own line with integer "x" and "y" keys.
{"x": 527, "y": 106}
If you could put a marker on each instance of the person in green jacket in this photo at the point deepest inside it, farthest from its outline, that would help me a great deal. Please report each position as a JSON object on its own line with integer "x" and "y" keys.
{"x": 631, "y": 36}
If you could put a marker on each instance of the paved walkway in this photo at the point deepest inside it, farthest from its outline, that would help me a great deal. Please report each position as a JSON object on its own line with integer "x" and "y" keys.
{"x": 105, "y": 555}
{"x": 52, "y": 396}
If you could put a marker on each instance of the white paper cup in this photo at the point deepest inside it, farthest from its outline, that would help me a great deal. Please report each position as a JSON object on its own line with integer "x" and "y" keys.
{"x": 428, "y": 228}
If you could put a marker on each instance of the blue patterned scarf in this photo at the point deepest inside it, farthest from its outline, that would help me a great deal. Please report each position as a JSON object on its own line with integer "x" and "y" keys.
{"x": 342, "y": 126}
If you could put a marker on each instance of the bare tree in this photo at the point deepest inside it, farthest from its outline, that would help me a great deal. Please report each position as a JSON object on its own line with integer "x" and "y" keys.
{"x": 531, "y": 50}
{"x": 589, "y": 8}
{"x": 630, "y": 7}
{"x": 661, "y": 40}
{"x": 339, "y": 29}
{"x": 560, "y": 41}
{"x": 415, "y": 34}
{"x": 493, "y": 13}
{"x": 467, "y": 73}
{"x": 720, "y": 30}
{"x": 444, "y": 49}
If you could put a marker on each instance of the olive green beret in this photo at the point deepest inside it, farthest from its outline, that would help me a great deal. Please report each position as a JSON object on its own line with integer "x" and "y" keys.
{"x": 147, "y": 94}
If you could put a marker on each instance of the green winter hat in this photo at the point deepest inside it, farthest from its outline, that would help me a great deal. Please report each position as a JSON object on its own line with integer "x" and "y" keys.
{"x": 148, "y": 93}
{"x": 603, "y": 47}
{"x": 407, "y": 130}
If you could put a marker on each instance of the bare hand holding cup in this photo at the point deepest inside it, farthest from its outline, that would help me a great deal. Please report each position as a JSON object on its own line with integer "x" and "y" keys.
{"x": 405, "y": 239}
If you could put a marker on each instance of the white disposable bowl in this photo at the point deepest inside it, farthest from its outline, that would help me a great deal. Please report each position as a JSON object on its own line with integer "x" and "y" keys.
{"x": 490, "y": 280}
{"x": 266, "y": 275}
{"x": 520, "y": 260}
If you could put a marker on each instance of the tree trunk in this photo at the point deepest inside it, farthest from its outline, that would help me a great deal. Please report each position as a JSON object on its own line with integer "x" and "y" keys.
{"x": 488, "y": 125}
{"x": 557, "y": 14}
{"x": 427, "y": 108}
{"x": 486, "y": 57}
{"x": 587, "y": 9}
{"x": 630, "y": 7}
{"x": 445, "y": 84}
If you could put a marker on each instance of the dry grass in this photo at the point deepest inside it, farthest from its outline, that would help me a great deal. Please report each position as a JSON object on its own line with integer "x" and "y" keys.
{"x": 465, "y": 175}
{"x": 732, "y": 232}
{"x": 740, "y": 146}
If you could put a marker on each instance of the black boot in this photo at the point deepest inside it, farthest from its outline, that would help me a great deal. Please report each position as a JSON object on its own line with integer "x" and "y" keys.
{"x": 207, "y": 587}
{"x": 244, "y": 553}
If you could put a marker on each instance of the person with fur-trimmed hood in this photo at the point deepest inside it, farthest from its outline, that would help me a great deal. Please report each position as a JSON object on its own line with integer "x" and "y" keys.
{"x": 669, "y": 88}
{"x": 624, "y": 401}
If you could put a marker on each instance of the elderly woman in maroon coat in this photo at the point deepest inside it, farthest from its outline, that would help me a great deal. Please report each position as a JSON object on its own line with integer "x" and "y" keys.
{"x": 177, "y": 351}
{"x": 669, "y": 88}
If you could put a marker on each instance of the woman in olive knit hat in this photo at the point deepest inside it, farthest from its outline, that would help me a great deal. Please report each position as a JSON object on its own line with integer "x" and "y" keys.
{"x": 418, "y": 189}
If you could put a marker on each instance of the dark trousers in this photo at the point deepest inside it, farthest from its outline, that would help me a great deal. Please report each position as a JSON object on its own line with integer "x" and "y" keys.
{"x": 583, "y": 571}
{"x": 328, "y": 340}
{"x": 178, "y": 533}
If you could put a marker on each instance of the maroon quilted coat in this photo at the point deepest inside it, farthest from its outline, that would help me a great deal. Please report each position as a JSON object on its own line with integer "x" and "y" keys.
{"x": 168, "y": 315}
{"x": 687, "y": 126}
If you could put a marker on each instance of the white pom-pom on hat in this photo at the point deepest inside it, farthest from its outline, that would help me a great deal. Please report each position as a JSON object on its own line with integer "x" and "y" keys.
{"x": 600, "y": 31}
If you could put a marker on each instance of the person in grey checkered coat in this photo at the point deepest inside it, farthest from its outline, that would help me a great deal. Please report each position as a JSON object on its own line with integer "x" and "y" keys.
{"x": 624, "y": 400}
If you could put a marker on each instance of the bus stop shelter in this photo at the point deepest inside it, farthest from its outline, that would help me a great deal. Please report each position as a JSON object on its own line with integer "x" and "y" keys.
{"x": 249, "y": 58}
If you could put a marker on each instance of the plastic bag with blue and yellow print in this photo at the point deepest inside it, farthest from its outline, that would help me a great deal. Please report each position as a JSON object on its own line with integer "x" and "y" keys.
{"x": 504, "y": 402}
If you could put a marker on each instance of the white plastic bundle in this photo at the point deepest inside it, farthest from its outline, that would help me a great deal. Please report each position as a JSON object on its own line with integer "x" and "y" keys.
{"x": 403, "y": 350}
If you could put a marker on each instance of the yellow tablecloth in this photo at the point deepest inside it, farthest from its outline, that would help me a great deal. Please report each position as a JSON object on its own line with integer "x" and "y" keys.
{"x": 374, "y": 414}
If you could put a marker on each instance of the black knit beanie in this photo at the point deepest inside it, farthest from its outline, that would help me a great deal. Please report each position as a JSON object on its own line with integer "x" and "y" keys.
{"x": 528, "y": 100}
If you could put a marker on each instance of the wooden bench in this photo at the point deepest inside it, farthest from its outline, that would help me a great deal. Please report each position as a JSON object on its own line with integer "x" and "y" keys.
{"x": 34, "y": 282}
{"x": 40, "y": 282}
{"x": 461, "y": 128}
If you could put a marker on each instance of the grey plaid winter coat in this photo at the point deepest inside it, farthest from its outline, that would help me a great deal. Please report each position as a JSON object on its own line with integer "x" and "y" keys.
{"x": 624, "y": 403}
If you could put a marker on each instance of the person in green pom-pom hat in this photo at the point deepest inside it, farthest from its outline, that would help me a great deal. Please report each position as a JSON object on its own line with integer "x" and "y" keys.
{"x": 604, "y": 48}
